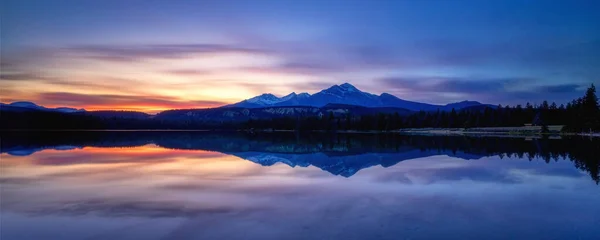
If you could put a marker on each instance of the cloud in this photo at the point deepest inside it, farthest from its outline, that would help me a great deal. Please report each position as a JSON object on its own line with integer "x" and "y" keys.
{"x": 120, "y": 155}
{"x": 313, "y": 86}
{"x": 394, "y": 177}
{"x": 18, "y": 76}
{"x": 190, "y": 72}
{"x": 318, "y": 58}
{"x": 17, "y": 180}
{"x": 327, "y": 59}
{"x": 124, "y": 208}
{"x": 362, "y": 59}
{"x": 100, "y": 158}
{"x": 513, "y": 90}
{"x": 93, "y": 82}
{"x": 140, "y": 52}
{"x": 309, "y": 67}
{"x": 558, "y": 172}
{"x": 525, "y": 53}
{"x": 75, "y": 99}
{"x": 478, "y": 174}
{"x": 450, "y": 84}
{"x": 376, "y": 54}
{"x": 561, "y": 88}
{"x": 298, "y": 68}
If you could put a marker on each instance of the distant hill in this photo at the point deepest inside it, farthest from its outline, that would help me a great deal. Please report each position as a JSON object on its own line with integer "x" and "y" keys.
{"x": 118, "y": 114}
{"x": 29, "y": 106}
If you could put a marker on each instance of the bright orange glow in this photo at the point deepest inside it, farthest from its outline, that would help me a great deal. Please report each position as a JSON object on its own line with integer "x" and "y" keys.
{"x": 151, "y": 109}
{"x": 100, "y": 159}
{"x": 148, "y": 85}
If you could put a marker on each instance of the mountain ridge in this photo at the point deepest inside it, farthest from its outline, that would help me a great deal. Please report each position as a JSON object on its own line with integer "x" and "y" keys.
{"x": 29, "y": 106}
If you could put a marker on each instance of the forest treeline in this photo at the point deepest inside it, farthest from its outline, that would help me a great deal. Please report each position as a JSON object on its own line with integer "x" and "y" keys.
{"x": 579, "y": 115}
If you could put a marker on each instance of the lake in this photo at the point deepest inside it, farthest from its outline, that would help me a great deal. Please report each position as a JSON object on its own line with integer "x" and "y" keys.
{"x": 218, "y": 185}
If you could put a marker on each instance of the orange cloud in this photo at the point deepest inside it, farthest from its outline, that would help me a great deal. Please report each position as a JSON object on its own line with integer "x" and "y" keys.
{"x": 122, "y": 102}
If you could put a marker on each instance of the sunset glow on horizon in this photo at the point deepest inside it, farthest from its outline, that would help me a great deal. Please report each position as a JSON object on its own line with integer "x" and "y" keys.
{"x": 150, "y": 57}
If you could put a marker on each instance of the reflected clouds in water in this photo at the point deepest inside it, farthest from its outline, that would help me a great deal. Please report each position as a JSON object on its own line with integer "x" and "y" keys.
{"x": 238, "y": 191}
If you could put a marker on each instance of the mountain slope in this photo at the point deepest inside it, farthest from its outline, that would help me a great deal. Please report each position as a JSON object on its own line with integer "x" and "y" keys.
{"x": 391, "y": 100}
{"x": 343, "y": 94}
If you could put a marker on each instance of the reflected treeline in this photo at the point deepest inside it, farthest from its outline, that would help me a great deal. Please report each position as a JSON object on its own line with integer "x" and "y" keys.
{"x": 340, "y": 154}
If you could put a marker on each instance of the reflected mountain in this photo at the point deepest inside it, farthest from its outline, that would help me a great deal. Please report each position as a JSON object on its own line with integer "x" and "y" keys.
{"x": 338, "y": 154}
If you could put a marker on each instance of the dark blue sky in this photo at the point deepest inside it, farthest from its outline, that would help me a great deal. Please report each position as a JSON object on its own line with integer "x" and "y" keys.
{"x": 187, "y": 52}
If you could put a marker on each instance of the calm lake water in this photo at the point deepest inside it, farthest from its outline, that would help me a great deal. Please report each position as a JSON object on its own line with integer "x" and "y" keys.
{"x": 206, "y": 185}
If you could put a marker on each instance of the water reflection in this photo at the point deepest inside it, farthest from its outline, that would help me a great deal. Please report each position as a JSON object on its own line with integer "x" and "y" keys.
{"x": 341, "y": 154}
{"x": 198, "y": 185}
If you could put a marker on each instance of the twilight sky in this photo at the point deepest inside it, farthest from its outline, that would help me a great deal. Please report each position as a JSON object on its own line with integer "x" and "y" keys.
{"x": 154, "y": 55}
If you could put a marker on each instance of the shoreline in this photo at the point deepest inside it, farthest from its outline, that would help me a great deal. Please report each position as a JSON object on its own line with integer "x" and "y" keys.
{"x": 526, "y": 131}
{"x": 481, "y": 132}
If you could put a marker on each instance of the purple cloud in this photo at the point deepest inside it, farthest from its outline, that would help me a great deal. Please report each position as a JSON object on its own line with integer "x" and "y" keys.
{"x": 138, "y": 52}
{"x": 560, "y": 88}
{"x": 17, "y": 76}
{"x": 492, "y": 90}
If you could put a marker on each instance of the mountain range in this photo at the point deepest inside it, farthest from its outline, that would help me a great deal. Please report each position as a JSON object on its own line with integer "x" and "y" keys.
{"x": 345, "y": 94}
{"x": 338, "y": 100}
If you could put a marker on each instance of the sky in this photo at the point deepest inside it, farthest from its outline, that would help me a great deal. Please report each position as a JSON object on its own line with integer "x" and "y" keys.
{"x": 156, "y": 55}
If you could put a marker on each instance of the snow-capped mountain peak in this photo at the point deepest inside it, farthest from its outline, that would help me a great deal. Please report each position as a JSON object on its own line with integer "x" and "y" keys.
{"x": 349, "y": 87}
{"x": 288, "y": 97}
{"x": 264, "y": 99}
{"x": 341, "y": 90}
